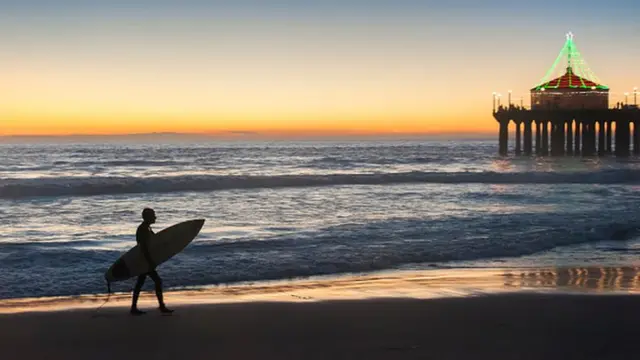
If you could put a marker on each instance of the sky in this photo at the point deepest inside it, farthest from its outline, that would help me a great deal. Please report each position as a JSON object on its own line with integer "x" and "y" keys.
{"x": 293, "y": 67}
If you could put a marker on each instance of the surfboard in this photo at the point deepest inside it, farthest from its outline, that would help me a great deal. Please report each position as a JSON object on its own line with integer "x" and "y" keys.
{"x": 162, "y": 246}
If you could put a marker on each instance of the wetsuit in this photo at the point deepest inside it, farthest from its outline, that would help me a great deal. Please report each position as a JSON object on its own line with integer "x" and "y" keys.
{"x": 143, "y": 236}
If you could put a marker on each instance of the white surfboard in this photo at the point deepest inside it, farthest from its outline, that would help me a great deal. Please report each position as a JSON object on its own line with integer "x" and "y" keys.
{"x": 162, "y": 246}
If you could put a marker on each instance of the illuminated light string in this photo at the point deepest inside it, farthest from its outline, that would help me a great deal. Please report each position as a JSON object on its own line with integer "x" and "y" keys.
{"x": 571, "y": 51}
{"x": 583, "y": 69}
{"x": 562, "y": 55}
{"x": 578, "y": 92}
{"x": 577, "y": 66}
{"x": 613, "y": 96}
{"x": 584, "y": 93}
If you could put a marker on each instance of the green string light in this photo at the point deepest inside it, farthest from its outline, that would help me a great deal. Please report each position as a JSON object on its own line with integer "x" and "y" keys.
{"x": 576, "y": 65}
{"x": 547, "y": 76}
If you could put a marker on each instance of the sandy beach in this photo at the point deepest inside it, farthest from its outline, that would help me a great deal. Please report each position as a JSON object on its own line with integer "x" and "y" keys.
{"x": 498, "y": 327}
{"x": 429, "y": 316}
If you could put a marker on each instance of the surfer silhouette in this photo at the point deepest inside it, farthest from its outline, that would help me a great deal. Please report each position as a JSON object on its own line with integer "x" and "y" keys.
{"x": 143, "y": 236}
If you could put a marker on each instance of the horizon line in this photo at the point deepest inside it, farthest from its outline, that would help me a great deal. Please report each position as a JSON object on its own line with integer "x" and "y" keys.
{"x": 241, "y": 133}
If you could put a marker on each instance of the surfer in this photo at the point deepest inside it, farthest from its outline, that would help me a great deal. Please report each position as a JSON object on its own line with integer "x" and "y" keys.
{"x": 143, "y": 235}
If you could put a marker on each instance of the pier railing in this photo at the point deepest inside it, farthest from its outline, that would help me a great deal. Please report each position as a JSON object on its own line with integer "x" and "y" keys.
{"x": 515, "y": 108}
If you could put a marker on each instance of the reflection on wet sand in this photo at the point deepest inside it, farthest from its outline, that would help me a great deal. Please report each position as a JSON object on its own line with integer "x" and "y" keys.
{"x": 399, "y": 284}
{"x": 599, "y": 279}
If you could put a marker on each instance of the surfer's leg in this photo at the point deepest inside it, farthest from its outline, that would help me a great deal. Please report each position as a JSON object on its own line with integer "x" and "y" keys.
{"x": 136, "y": 294}
{"x": 158, "y": 281}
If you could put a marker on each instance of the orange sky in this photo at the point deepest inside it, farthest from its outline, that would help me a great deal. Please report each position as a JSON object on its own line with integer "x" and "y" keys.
{"x": 410, "y": 69}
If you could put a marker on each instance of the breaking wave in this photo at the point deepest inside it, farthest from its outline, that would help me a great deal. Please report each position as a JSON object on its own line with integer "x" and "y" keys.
{"x": 89, "y": 186}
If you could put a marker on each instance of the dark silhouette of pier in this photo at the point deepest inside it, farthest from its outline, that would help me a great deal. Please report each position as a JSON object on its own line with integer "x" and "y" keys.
{"x": 560, "y": 132}
{"x": 570, "y": 115}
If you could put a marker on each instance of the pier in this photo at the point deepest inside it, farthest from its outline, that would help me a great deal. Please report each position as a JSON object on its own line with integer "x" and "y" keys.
{"x": 570, "y": 116}
{"x": 558, "y": 132}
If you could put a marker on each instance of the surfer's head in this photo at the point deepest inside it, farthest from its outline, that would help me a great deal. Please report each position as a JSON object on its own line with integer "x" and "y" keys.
{"x": 149, "y": 215}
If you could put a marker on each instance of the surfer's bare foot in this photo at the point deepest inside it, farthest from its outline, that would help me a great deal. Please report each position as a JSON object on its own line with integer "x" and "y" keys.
{"x": 165, "y": 310}
{"x": 136, "y": 312}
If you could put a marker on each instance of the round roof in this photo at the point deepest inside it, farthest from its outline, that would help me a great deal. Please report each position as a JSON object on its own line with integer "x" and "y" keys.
{"x": 570, "y": 81}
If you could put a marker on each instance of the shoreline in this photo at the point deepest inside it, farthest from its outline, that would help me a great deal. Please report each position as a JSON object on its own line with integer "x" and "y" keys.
{"x": 398, "y": 284}
{"x": 576, "y": 313}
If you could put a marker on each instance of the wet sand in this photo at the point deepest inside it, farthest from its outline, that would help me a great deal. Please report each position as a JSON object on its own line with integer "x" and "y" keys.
{"x": 531, "y": 326}
{"x": 283, "y": 321}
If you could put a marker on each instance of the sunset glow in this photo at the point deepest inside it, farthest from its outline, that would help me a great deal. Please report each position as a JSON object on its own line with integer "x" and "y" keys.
{"x": 403, "y": 67}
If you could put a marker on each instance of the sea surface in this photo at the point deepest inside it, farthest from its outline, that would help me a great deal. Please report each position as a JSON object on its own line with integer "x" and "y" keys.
{"x": 279, "y": 210}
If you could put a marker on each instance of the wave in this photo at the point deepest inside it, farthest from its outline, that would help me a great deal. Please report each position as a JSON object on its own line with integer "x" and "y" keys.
{"x": 338, "y": 249}
{"x": 339, "y": 162}
{"x": 89, "y": 186}
{"x": 116, "y": 163}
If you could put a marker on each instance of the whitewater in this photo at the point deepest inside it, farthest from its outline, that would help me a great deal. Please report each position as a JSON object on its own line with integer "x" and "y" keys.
{"x": 279, "y": 210}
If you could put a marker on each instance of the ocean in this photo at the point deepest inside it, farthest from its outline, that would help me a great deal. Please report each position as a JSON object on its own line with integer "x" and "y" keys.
{"x": 281, "y": 210}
